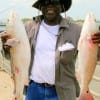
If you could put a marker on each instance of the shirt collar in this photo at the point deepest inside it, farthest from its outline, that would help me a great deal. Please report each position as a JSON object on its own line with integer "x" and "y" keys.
{"x": 64, "y": 23}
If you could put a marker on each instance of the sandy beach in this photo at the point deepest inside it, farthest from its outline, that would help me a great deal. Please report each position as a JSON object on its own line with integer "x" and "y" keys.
{"x": 6, "y": 86}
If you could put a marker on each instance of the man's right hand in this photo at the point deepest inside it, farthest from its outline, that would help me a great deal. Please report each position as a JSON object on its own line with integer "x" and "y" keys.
{"x": 4, "y": 37}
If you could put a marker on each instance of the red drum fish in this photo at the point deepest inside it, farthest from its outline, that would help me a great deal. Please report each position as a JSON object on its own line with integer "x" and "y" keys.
{"x": 19, "y": 51}
{"x": 87, "y": 50}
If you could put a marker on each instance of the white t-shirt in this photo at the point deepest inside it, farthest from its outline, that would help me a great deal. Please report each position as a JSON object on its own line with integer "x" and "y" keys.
{"x": 43, "y": 69}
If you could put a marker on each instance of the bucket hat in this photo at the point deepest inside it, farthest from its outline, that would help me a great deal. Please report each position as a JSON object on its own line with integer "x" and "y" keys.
{"x": 66, "y": 4}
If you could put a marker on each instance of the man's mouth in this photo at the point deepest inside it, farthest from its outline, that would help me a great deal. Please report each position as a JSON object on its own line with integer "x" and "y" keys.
{"x": 50, "y": 11}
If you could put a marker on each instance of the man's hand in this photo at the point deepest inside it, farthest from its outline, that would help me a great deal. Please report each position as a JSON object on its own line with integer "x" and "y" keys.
{"x": 96, "y": 37}
{"x": 86, "y": 96}
{"x": 4, "y": 37}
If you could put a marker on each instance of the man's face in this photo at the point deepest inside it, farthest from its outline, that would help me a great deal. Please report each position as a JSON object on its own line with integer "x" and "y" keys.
{"x": 51, "y": 10}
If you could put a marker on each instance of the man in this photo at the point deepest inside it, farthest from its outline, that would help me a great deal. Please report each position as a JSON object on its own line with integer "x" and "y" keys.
{"x": 52, "y": 69}
{"x": 50, "y": 66}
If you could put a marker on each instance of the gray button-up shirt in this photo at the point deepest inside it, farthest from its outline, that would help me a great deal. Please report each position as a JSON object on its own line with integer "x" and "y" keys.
{"x": 65, "y": 81}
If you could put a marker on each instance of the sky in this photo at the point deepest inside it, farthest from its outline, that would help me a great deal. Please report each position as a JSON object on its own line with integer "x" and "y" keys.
{"x": 24, "y": 8}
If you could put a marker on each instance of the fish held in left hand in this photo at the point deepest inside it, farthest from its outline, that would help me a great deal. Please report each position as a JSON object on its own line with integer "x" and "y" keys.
{"x": 87, "y": 51}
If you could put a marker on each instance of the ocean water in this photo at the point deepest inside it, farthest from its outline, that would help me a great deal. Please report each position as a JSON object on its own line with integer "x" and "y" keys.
{"x": 2, "y": 28}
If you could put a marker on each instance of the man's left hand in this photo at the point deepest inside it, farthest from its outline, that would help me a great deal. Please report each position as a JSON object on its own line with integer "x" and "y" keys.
{"x": 85, "y": 96}
{"x": 96, "y": 38}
